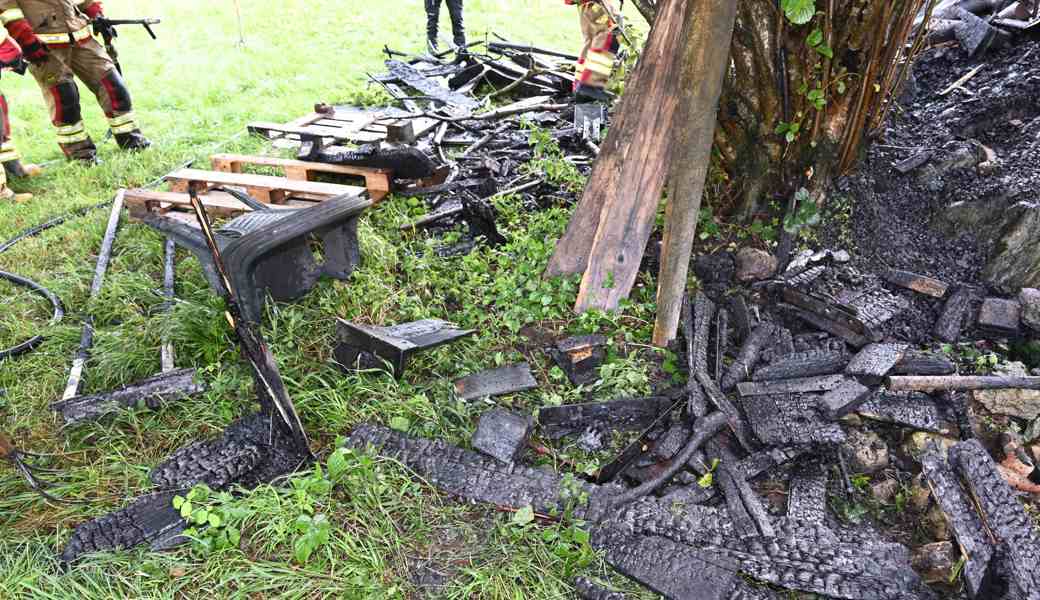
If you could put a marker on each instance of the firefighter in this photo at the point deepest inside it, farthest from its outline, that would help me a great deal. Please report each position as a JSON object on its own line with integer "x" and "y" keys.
{"x": 433, "y": 16}
{"x": 596, "y": 62}
{"x": 56, "y": 39}
{"x": 10, "y": 58}
{"x": 9, "y": 155}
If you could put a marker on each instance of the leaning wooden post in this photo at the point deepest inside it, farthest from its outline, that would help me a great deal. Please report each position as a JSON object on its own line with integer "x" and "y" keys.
{"x": 704, "y": 64}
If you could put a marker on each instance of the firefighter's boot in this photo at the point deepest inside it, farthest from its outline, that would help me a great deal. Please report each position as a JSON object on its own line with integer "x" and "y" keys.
{"x": 133, "y": 140}
{"x": 433, "y": 15}
{"x": 16, "y": 168}
{"x": 83, "y": 151}
{"x": 458, "y": 25}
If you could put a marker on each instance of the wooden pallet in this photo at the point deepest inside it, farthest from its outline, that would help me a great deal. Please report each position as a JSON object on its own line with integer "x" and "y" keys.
{"x": 342, "y": 125}
{"x": 141, "y": 202}
{"x": 377, "y": 181}
{"x": 265, "y": 188}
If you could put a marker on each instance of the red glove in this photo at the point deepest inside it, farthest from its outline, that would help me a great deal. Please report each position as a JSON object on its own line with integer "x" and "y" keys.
{"x": 32, "y": 48}
{"x": 94, "y": 11}
{"x": 10, "y": 53}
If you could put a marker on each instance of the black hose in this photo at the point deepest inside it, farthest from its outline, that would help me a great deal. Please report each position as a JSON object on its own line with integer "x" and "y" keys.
{"x": 59, "y": 312}
{"x": 38, "y": 229}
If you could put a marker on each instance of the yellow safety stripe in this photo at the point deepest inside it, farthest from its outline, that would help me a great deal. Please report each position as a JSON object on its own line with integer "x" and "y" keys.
{"x": 70, "y": 134}
{"x": 9, "y": 155}
{"x": 10, "y": 15}
{"x": 63, "y": 38}
{"x": 125, "y": 128}
{"x": 124, "y": 119}
{"x": 598, "y": 64}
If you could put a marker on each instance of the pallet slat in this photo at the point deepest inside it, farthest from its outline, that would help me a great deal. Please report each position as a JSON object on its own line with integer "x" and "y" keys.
{"x": 377, "y": 181}
{"x": 266, "y": 188}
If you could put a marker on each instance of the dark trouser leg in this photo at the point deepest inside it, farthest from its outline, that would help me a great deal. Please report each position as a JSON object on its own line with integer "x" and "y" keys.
{"x": 95, "y": 68}
{"x": 433, "y": 15}
{"x": 458, "y": 27}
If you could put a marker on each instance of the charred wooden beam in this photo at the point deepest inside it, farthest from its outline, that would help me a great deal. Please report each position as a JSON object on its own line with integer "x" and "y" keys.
{"x": 703, "y": 312}
{"x": 590, "y": 590}
{"x": 955, "y": 314}
{"x": 502, "y": 434}
{"x": 807, "y": 495}
{"x": 675, "y": 571}
{"x": 810, "y": 363}
{"x": 151, "y": 393}
{"x": 746, "y": 510}
{"x": 630, "y": 414}
{"x": 1004, "y": 518}
{"x": 918, "y": 283}
{"x": 802, "y": 385}
{"x": 960, "y": 382}
{"x": 580, "y": 357}
{"x": 747, "y": 358}
{"x": 735, "y": 419}
{"x": 765, "y": 460}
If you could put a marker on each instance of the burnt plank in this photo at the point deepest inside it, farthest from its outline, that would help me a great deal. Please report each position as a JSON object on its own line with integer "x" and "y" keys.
{"x": 765, "y": 460}
{"x": 151, "y": 393}
{"x": 955, "y": 314}
{"x": 1003, "y": 517}
{"x": 917, "y": 283}
{"x": 703, "y": 313}
{"x": 749, "y": 515}
{"x": 580, "y": 357}
{"x": 840, "y": 329}
{"x": 810, "y": 363}
{"x": 844, "y": 399}
{"x": 875, "y": 308}
{"x": 590, "y": 590}
{"x": 874, "y": 361}
{"x": 791, "y": 419}
{"x": 733, "y": 416}
{"x": 629, "y": 414}
{"x": 509, "y": 379}
{"x": 147, "y": 520}
{"x": 802, "y": 385}
{"x": 922, "y": 363}
{"x": 965, "y": 524}
{"x": 676, "y": 571}
{"x": 411, "y": 77}
{"x": 1001, "y": 316}
{"x": 747, "y": 358}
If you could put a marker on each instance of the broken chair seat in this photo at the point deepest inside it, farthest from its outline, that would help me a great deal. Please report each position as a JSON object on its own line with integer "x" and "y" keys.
{"x": 268, "y": 251}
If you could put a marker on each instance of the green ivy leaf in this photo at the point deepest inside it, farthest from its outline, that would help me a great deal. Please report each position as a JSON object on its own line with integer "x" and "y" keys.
{"x": 815, "y": 38}
{"x": 186, "y": 509}
{"x": 337, "y": 464}
{"x": 400, "y": 423}
{"x": 524, "y": 516}
{"x": 799, "y": 12}
{"x": 825, "y": 50}
{"x": 706, "y": 481}
{"x": 214, "y": 520}
{"x": 178, "y": 501}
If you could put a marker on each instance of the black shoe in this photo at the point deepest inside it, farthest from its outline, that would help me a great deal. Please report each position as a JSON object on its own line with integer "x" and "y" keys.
{"x": 585, "y": 92}
{"x": 431, "y": 47}
{"x": 16, "y": 169}
{"x": 133, "y": 140}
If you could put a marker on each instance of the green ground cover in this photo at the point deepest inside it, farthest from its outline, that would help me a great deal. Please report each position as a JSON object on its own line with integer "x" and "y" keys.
{"x": 363, "y": 528}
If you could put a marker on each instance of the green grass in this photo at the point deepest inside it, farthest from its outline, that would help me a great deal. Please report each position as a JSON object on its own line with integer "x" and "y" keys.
{"x": 195, "y": 89}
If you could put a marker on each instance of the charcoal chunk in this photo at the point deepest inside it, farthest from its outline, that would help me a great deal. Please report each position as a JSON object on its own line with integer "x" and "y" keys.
{"x": 873, "y": 362}
{"x": 580, "y": 357}
{"x": 502, "y": 434}
{"x": 918, "y": 283}
{"x": 1001, "y": 316}
{"x": 748, "y": 356}
{"x": 844, "y": 399}
{"x": 955, "y": 314}
{"x": 917, "y": 411}
{"x": 628, "y": 414}
{"x": 496, "y": 382}
{"x": 807, "y": 496}
{"x": 920, "y": 363}
{"x": 590, "y": 590}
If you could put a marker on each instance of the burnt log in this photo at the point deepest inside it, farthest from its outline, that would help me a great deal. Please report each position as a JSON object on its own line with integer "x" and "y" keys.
{"x": 704, "y": 312}
{"x": 810, "y": 363}
{"x": 735, "y": 419}
{"x": 148, "y": 520}
{"x": 917, "y": 411}
{"x": 960, "y": 382}
{"x": 807, "y": 496}
{"x": 590, "y": 590}
{"x": 792, "y": 419}
{"x": 955, "y": 314}
{"x": 749, "y": 515}
{"x": 747, "y": 358}
{"x": 580, "y": 357}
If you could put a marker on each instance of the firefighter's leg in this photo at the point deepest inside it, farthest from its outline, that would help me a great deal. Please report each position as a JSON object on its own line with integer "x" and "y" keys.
{"x": 599, "y": 60}
{"x": 9, "y": 155}
{"x": 458, "y": 26}
{"x": 94, "y": 68}
{"x": 587, "y": 33}
{"x": 433, "y": 15}
{"x": 62, "y": 98}
{"x": 7, "y": 194}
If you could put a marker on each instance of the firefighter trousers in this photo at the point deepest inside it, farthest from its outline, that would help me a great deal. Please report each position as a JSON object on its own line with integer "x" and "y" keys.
{"x": 91, "y": 64}
{"x": 596, "y": 61}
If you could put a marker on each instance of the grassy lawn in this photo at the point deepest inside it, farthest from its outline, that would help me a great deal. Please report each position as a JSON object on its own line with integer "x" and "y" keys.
{"x": 388, "y": 534}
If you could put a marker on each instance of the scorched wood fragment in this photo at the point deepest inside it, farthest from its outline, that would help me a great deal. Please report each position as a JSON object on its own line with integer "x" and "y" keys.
{"x": 804, "y": 364}
{"x": 807, "y": 496}
{"x": 675, "y": 571}
{"x": 497, "y": 382}
{"x": 502, "y": 434}
{"x": 590, "y": 590}
{"x": 875, "y": 361}
{"x": 152, "y": 392}
{"x": 919, "y": 363}
{"x": 148, "y": 520}
{"x": 844, "y": 399}
{"x": 761, "y": 337}
{"x": 916, "y": 411}
{"x": 918, "y": 283}
{"x": 1004, "y": 518}
{"x": 411, "y": 77}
